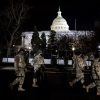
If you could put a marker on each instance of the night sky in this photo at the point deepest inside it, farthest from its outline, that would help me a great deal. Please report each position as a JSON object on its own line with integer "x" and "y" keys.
{"x": 43, "y": 12}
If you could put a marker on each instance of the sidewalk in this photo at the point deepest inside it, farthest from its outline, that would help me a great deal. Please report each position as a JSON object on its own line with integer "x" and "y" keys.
{"x": 7, "y": 68}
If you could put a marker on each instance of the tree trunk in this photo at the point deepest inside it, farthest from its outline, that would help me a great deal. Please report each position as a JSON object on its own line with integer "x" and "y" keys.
{"x": 11, "y": 41}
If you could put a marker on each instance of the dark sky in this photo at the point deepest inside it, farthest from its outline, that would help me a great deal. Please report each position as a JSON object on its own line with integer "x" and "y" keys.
{"x": 86, "y": 12}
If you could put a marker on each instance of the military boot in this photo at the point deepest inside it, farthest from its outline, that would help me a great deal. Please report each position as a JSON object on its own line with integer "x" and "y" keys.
{"x": 20, "y": 88}
{"x": 34, "y": 83}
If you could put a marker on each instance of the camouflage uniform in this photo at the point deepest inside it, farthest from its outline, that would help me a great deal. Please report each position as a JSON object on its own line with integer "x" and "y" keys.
{"x": 37, "y": 63}
{"x": 96, "y": 76}
{"x": 79, "y": 64}
{"x": 19, "y": 65}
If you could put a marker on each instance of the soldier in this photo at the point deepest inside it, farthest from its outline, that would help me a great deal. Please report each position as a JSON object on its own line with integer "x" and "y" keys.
{"x": 20, "y": 66}
{"x": 79, "y": 65}
{"x": 95, "y": 75}
{"x": 38, "y": 62}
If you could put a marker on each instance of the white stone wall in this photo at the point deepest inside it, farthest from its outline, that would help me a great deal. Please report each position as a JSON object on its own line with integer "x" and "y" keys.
{"x": 27, "y": 36}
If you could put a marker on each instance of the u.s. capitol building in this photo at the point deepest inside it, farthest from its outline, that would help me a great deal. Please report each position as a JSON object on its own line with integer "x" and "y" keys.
{"x": 60, "y": 26}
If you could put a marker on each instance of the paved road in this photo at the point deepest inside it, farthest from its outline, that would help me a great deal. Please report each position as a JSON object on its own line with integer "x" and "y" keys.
{"x": 54, "y": 87}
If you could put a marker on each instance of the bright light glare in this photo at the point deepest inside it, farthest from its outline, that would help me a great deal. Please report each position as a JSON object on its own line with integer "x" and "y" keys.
{"x": 73, "y": 48}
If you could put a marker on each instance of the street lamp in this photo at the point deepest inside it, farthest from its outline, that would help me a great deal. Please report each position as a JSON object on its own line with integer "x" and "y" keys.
{"x": 73, "y": 49}
{"x": 29, "y": 49}
{"x": 98, "y": 49}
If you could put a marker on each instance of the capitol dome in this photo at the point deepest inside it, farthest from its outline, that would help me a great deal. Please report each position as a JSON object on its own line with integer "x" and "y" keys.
{"x": 59, "y": 24}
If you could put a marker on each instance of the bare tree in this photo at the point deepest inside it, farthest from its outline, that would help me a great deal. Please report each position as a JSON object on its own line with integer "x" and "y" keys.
{"x": 13, "y": 18}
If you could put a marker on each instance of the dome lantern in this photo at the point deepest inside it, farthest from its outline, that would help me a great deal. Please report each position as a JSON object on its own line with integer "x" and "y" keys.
{"x": 59, "y": 13}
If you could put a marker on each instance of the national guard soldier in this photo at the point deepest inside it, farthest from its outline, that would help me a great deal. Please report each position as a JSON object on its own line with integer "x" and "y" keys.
{"x": 20, "y": 67}
{"x": 38, "y": 62}
{"x": 79, "y": 64}
{"x": 95, "y": 75}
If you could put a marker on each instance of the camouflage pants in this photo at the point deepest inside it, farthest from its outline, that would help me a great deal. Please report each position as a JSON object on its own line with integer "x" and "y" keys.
{"x": 79, "y": 77}
{"x": 36, "y": 70}
{"x": 20, "y": 78}
{"x": 37, "y": 76}
{"x": 97, "y": 84}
